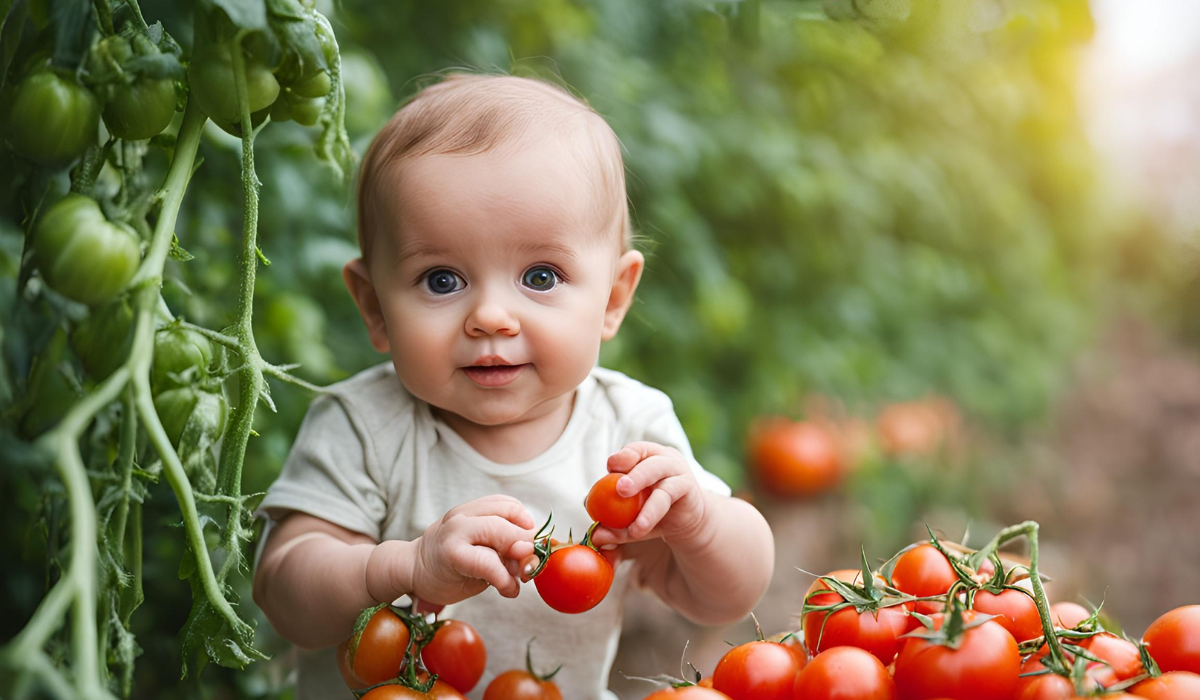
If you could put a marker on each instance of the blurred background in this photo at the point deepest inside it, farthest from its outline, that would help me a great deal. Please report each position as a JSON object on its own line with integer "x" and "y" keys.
{"x": 956, "y": 241}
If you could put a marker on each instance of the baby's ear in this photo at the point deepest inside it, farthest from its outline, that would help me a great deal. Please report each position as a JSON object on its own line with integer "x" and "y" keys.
{"x": 625, "y": 282}
{"x": 358, "y": 281}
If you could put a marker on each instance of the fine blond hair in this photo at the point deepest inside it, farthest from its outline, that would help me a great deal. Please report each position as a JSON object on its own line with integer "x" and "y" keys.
{"x": 468, "y": 114}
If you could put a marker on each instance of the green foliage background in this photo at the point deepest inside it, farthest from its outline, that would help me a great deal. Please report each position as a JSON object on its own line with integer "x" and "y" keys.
{"x": 871, "y": 200}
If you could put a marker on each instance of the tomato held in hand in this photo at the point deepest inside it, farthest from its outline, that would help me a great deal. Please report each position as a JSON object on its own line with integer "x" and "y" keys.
{"x": 575, "y": 579}
{"x": 984, "y": 666}
{"x": 845, "y": 673}
{"x": 83, "y": 255}
{"x": 1015, "y": 611}
{"x": 795, "y": 459}
{"x": 374, "y": 654}
{"x": 1174, "y": 640}
{"x": 1175, "y": 685}
{"x": 52, "y": 120}
{"x": 757, "y": 671}
{"x": 456, "y": 654}
{"x": 610, "y": 509}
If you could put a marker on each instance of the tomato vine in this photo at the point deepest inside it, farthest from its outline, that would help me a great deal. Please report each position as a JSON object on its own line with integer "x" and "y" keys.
{"x": 100, "y": 585}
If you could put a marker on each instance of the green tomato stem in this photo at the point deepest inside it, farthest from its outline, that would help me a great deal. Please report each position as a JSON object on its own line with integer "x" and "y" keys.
{"x": 1029, "y": 529}
{"x": 250, "y": 384}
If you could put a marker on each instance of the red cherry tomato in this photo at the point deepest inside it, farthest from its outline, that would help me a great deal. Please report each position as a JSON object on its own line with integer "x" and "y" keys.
{"x": 575, "y": 579}
{"x": 1068, "y": 615}
{"x": 521, "y": 685}
{"x": 875, "y": 632}
{"x": 845, "y": 673}
{"x": 1176, "y": 685}
{"x": 793, "y": 459}
{"x": 456, "y": 654}
{"x": 1121, "y": 656}
{"x": 1047, "y": 687}
{"x": 757, "y": 671}
{"x": 397, "y": 692}
{"x": 1174, "y": 640}
{"x": 380, "y": 651}
{"x": 607, "y": 507}
{"x": 924, "y": 571}
{"x": 1015, "y": 611}
{"x": 985, "y": 666}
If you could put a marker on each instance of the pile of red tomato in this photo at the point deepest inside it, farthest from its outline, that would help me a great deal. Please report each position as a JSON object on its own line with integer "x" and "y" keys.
{"x": 939, "y": 622}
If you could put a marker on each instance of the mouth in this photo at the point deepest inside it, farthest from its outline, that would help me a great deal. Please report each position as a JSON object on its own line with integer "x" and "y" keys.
{"x": 493, "y": 375}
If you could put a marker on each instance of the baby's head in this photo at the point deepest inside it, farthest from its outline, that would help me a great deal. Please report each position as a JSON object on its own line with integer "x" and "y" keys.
{"x": 494, "y": 231}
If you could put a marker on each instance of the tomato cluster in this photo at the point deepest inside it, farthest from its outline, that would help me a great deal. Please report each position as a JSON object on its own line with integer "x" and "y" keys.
{"x": 396, "y": 654}
{"x": 939, "y": 622}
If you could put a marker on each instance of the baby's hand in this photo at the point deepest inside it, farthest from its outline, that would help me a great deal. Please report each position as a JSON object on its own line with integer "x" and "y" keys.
{"x": 675, "y": 506}
{"x": 475, "y": 544}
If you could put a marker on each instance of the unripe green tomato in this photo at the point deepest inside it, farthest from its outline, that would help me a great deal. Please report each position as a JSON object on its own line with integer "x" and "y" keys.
{"x": 316, "y": 85}
{"x": 82, "y": 255}
{"x": 206, "y": 411}
{"x": 102, "y": 341}
{"x": 176, "y": 351}
{"x": 281, "y": 111}
{"x": 141, "y": 110}
{"x": 306, "y": 112}
{"x": 210, "y": 75}
{"x": 52, "y": 120}
{"x": 52, "y": 398}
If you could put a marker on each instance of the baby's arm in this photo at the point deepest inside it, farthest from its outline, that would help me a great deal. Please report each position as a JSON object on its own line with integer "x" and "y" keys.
{"x": 315, "y": 577}
{"x": 708, "y": 556}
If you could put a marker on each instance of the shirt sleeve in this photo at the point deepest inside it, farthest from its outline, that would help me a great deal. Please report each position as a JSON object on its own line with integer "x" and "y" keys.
{"x": 328, "y": 473}
{"x": 663, "y": 426}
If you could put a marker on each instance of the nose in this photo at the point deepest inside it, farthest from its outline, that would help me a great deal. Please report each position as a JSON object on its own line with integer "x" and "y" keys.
{"x": 491, "y": 317}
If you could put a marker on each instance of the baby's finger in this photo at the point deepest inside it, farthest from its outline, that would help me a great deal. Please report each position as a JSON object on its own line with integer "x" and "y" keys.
{"x": 496, "y": 532}
{"x": 625, "y": 458}
{"x": 484, "y": 563}
{"x": 603, "y": 536}
{"x": 649, "y": 472}
{"x": 656, "y": 507}
{"x": 519, "y": 550}
{"x": 505, "y": 507}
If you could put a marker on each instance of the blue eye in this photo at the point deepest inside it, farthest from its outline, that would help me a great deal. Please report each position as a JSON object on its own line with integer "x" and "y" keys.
{"x": 540, "y": 279}
{"x": 443, "y": 282}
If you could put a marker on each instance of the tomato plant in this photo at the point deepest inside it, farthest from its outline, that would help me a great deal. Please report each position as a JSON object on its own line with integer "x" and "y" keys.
{"x": 844, "y": 673}
{"x": 52, "y": 118}
{"x": 794, "y": 459}
{"x": 456, "y": 654}
{"x": 969, "y": 661}
{"x": 1174, "y": 640}
{"x": 757, "y": 671}
{"x": 610, "y": 509}
{"x": 83, "y": 255}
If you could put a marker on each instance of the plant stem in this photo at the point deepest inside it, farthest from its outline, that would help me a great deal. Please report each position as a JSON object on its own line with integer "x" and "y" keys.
{"x": 233, "y": 448}
{"x": 1029, "y": 529}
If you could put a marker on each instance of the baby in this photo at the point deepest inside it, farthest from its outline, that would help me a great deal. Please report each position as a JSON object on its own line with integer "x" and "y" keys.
{"x": 496, "y": 258}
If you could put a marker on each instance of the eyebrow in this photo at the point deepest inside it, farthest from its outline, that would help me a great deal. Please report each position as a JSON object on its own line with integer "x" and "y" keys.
{"x": 430, "y": 250}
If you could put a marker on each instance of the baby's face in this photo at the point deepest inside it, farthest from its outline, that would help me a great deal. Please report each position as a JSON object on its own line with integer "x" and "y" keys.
{"x": 494, "y": 282}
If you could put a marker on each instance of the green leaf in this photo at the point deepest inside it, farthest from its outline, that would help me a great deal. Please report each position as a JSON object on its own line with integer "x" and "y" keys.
{"x": 210, "y": 636}
{"x": 247, "y": 14}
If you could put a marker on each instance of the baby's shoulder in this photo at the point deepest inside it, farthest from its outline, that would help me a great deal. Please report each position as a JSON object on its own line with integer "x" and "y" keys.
{"x": 627, "y": 396}
{"x": 374, "y": 398}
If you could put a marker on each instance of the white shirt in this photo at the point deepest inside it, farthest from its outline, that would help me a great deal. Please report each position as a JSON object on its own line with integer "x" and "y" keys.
{"x": 372, "y": 458}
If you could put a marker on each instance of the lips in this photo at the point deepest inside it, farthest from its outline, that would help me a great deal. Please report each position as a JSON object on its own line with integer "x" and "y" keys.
{"x": 493, "y": 375}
